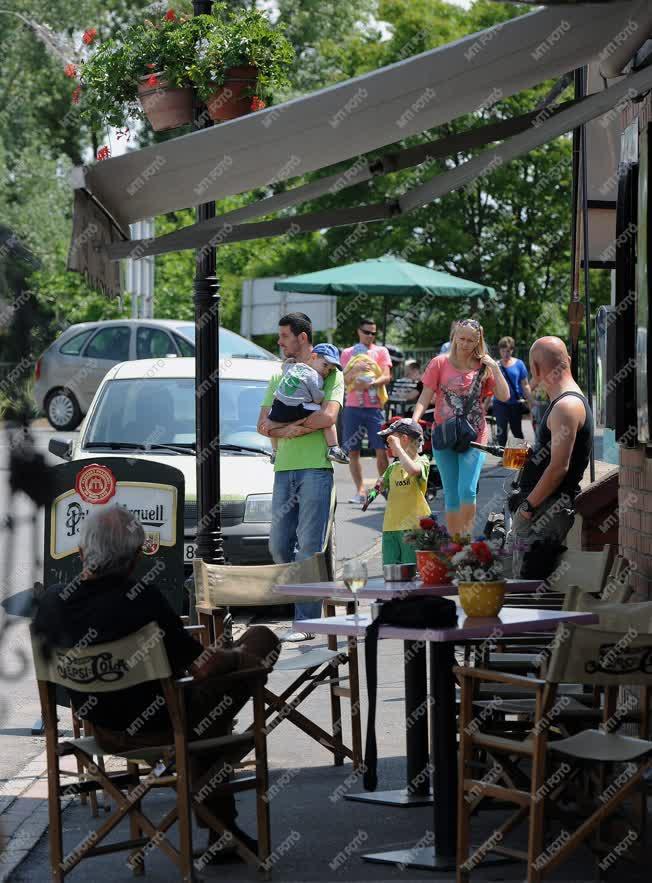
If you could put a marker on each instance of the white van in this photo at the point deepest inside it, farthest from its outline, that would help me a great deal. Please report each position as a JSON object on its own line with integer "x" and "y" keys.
{"x": 146, "y": 409}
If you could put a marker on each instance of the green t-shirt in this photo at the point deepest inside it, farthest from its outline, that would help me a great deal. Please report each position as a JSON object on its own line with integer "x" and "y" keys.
{"x": 305, "y": 451}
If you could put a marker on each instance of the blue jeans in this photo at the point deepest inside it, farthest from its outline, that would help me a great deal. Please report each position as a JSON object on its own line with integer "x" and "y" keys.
{"x": 301, "y": 505}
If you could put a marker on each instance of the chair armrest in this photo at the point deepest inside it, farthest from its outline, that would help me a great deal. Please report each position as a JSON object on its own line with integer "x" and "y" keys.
{"x": 499, "y": 677}
{"x": 194, "y": 628}
{"x": 232, "y": 677}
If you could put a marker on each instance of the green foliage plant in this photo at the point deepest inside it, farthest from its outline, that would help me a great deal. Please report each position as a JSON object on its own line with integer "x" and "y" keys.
{"x": 180, "y": 52}
{"x": 240, "y": 38}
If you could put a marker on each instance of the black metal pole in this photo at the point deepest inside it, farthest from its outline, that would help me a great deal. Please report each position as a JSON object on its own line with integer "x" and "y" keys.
{"x": 207, "y": 356}
{"x": 587, "y": 273}
{"x": 574, "y": 203}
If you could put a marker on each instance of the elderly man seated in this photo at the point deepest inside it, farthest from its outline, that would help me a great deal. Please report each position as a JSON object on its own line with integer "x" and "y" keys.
{"x": 107, "y": 604}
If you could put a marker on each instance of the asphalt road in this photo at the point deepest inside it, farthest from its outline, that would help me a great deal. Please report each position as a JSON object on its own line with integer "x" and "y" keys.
{"x": 358, "y": 533}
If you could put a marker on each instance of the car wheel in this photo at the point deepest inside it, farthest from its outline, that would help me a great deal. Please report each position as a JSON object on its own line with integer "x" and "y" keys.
{"x": 62, "y": 410}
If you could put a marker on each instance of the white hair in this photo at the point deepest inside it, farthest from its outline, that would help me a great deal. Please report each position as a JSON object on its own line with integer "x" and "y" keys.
{"x": 110, "y": 539}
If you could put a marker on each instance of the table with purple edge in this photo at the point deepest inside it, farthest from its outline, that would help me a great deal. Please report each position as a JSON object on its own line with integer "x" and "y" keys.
{"x": 417, "y": 791}
{"x": 443, "y": 735}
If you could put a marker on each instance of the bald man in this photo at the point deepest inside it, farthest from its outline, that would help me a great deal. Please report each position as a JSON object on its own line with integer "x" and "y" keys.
{"x": 550, "y": 480}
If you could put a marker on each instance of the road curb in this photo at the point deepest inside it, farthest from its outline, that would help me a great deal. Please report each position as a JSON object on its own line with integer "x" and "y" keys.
{"x": 24, "y": 814}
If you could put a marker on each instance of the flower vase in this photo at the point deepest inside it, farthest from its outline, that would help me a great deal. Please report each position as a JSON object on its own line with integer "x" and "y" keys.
{"x": 482, "y": 598}
{"x": 165, "y": 107}
{"x": 432, "y": 570}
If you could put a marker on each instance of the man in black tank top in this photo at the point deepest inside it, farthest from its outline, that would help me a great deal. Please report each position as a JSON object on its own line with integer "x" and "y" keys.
{"x": 550, "y": 480}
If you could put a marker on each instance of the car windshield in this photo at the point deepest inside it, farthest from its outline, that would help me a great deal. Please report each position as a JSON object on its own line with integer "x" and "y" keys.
{"x": 231, "y": 344}
{"x": 158, "y": 412}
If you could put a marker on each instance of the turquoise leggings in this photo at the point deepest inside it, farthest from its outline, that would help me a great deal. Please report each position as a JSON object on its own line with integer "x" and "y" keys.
{"x": 459, "y": 475}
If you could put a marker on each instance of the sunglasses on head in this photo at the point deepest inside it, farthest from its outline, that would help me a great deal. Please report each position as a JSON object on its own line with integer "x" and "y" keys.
{"x": 473, "y": 323}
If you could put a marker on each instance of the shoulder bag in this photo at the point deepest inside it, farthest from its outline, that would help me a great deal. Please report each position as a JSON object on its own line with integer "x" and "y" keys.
{"x": 416, "y": 613}
{"x": 456, "y": 433}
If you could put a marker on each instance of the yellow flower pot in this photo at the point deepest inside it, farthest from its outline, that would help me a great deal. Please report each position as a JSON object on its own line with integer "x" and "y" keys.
{"x": 482, "y": 599}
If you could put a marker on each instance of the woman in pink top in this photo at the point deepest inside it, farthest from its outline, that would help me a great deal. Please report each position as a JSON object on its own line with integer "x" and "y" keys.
{"x": 450, "y": 378}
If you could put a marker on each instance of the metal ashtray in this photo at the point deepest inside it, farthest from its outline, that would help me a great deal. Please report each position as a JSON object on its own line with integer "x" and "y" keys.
{"x": 399, "y": 572}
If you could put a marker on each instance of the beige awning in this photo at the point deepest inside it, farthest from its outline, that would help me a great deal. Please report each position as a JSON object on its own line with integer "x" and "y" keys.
{"x": 347, "y": 121}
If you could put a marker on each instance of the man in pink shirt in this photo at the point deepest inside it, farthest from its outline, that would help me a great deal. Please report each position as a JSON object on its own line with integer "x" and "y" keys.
{"x": 362, "y": 410}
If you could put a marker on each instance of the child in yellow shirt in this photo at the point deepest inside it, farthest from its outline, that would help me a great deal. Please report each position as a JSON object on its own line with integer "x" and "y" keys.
{"x": 405, "y": 483}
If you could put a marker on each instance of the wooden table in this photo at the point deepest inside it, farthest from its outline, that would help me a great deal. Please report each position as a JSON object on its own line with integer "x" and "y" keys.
{"x": 443, "y": 735}
{"x": 417, "y": 791}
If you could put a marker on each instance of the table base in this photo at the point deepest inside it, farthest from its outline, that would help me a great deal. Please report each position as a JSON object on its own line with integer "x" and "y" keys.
{"x": 399, "y": 797}
{"x": 424, "y": 857}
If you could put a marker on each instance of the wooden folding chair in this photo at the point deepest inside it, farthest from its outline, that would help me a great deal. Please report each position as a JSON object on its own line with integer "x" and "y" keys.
{"x": 118, "y": 665}
{"x": 218, "y": 587}
{"x": 605, "y": 659}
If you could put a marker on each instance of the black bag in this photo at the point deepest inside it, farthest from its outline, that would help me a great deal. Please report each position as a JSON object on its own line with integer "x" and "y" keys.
{"x": 523, "y": 405}
{"x": 416, "y": 613}
{"x": 456, "y": 433}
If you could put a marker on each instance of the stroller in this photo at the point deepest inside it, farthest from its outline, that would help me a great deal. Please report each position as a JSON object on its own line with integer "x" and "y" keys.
{"x": 399, "y": 406}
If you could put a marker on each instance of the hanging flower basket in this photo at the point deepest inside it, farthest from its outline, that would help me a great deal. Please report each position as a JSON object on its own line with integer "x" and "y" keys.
{"x": 165, "y": 106}
{"x": 236, "y": 97}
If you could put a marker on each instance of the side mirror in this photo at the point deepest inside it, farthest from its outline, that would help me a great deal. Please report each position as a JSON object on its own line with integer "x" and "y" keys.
{"x": 61, "y": 448}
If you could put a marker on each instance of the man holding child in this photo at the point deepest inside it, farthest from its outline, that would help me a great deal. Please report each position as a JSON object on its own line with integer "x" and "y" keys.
{"x": 303, "y": 472}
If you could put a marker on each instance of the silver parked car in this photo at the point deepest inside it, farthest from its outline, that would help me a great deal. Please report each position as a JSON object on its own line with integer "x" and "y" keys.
{"x": 71, "y": 369}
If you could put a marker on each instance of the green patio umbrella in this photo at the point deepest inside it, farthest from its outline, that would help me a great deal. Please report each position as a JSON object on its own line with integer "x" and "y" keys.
{"x": 386, "y": 276}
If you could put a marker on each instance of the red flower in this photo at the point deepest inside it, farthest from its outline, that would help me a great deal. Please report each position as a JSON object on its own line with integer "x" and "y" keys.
{"x": 453, "y": 548}
{"x": 103, "y": 153}
{"x": 427, "y": 523}
{"x": 482, "y": 551}
{"x": 170, "y": 15}
{"x": 70, "y": 71}
{"x": 76, "y": 95}
{"x": 153, "y": 80}
{"x": 89, "y": 35}
{"x": 257, "y": 103}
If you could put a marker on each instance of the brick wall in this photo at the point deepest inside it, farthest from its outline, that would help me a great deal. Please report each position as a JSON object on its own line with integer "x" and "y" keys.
{"x": 635, "y": 513}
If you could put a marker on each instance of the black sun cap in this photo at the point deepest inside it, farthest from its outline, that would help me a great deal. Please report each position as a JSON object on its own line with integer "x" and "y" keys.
{"x": 404, "y": 426}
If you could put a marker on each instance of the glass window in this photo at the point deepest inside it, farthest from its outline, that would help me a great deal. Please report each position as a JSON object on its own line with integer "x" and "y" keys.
{"x": 73, "y": 346}
{"x": 153, "y": 343}
{"x": 110, "y": 343}
{"x": 231, "y": 344}
{"x": 157, "y": 411}
{"x": 185, "y": 347}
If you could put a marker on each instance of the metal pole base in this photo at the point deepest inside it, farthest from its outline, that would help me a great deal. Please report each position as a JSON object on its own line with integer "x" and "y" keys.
{"x": 401, "y": 797}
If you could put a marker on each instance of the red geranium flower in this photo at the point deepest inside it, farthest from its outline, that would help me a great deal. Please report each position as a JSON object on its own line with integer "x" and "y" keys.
{"x": 103, "y": 153}
{"x": 70, "y": 71}
{"x": 427, "y": 523}
{"x": 76, "y": 95}
{"x": 482, "y": 551}
{"x": 153, "y": 80}
{"x": 170, "y": 15}
{"x": 257, "y": 103}
{"x": 89, "y": 35}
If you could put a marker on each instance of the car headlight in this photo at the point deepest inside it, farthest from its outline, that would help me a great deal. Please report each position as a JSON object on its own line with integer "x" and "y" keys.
{"x": 258, "y": 508}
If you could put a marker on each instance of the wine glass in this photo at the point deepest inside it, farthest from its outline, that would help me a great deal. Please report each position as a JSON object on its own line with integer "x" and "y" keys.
{"x": 354, "y": 574}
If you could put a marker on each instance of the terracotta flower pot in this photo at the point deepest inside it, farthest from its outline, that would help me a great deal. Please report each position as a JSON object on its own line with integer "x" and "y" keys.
{"x": 432, "y": 570}
{"x": 165, "y": 107}
{"x": 482, "y": 599}
{"x": 233, "y": 99}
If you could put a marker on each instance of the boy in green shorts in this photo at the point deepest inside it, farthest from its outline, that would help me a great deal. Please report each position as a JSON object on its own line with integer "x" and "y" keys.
{"x": 405, "y": 483}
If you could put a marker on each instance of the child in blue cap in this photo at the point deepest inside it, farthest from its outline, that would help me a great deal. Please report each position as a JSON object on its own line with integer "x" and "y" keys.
{"x": 301, "y": 391}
